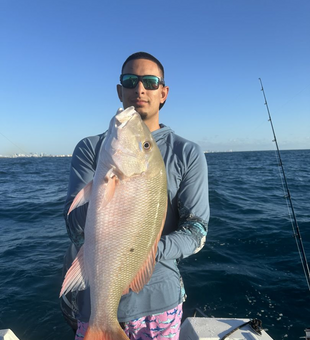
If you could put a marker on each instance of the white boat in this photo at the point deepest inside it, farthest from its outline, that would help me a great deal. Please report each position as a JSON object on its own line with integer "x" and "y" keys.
{"x": 204, "y": 328}
{"x": 7, "y": 334}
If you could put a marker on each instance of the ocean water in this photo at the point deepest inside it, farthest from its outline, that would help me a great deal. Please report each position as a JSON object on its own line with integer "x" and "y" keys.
{"x": 249, "y": 268}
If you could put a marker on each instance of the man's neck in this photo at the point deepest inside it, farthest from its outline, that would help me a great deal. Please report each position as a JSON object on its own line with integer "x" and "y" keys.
{"x": 152, "y": 124}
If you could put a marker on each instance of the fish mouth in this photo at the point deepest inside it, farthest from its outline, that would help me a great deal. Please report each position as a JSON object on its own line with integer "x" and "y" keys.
{"x": 123, "y": 117}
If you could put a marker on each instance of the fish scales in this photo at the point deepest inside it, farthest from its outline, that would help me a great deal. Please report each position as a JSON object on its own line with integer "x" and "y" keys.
{"x": 125, "y": 231}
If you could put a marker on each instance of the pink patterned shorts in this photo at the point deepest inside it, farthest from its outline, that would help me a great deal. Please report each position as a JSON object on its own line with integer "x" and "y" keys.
{"x": 165, "y": 325}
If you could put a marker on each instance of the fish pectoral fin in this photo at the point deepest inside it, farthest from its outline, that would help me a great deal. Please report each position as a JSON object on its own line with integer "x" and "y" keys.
{"x": 76, "y": 277}
{"x": 110, "y": 182}
{"x": 82, "y": 197}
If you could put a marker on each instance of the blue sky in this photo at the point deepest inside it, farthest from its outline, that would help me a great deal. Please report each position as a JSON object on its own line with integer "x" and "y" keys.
{"x": 60, "y": 62}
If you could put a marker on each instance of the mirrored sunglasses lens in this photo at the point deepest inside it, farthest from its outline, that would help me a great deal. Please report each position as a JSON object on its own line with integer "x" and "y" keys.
{"x": 150, "y": 82}
{"x": 129, "y": 81}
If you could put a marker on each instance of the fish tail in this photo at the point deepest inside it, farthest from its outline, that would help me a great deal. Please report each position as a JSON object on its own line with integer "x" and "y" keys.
{"x": 99, "y": 334}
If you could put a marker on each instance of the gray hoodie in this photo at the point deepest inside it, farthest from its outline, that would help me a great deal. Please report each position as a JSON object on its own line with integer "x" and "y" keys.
{"x": 184, "y": 231}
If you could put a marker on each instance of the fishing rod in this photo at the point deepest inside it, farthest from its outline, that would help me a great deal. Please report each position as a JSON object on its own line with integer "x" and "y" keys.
{"x": 295, "y": 227}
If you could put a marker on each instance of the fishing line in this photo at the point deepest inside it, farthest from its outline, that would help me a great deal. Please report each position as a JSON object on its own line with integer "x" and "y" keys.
{"x": 13, "y": 143}
{"x": 296, "y": 231}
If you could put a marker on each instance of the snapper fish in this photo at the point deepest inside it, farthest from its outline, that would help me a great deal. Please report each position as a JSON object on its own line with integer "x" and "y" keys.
{"x": 125, "y": 217}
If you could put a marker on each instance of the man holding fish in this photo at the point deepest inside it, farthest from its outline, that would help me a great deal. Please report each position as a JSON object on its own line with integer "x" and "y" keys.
{"x": 137, "y": 203}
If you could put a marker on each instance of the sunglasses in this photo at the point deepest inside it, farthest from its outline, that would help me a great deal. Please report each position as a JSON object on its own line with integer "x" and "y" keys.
{"x": 130, "y": 81}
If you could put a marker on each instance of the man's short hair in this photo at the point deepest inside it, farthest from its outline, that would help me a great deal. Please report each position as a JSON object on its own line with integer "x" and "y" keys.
{"x": 145, "y": 55}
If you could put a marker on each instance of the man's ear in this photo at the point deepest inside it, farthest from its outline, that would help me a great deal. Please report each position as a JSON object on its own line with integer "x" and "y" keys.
{"x": 164, "y": 94}
{"x": 119, "y": 89}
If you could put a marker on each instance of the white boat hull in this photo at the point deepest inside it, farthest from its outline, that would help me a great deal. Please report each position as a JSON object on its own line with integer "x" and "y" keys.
{"x": 203, "y": 328}
{"x": 199, "y": 328}
{"x": 7, "y": 334}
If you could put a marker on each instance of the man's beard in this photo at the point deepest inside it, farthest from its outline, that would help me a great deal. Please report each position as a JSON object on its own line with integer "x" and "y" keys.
{"x": 143, "y": 115}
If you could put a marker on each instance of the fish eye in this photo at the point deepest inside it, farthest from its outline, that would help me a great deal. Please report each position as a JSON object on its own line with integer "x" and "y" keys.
{"x": 147, "y": 145}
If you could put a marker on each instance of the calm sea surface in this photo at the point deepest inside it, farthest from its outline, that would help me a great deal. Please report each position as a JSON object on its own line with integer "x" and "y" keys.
{"x": 250, "y": 267}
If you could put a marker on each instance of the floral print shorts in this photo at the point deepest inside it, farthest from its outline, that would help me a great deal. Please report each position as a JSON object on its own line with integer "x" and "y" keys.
{"x": 161, "y": 326}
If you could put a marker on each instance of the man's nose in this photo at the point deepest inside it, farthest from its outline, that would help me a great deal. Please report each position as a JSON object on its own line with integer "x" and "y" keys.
{"x": 140, "y": 87}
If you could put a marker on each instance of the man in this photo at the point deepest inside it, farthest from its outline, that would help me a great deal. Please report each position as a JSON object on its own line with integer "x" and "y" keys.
{"x": 156, "y": 311}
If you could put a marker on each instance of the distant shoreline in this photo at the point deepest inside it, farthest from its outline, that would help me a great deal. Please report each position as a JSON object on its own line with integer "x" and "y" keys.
{"x": 35, "y": 156}
{"x": 205, "y": 152}
{"x": 229, "y": 151}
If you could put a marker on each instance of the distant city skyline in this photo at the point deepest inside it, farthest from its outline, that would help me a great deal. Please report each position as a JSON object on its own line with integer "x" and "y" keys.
{"x": 32, "y": 155}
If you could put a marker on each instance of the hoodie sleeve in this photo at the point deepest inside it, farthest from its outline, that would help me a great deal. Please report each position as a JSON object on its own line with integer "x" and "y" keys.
{"x": 193, "y": 209}
{"x": 83, "y": 166}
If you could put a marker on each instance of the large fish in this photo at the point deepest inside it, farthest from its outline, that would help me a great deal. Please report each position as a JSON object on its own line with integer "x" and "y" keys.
{"x": 126, "y": 213}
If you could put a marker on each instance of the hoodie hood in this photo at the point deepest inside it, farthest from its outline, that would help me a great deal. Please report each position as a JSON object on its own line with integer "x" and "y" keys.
{"x": 161, "y": 134}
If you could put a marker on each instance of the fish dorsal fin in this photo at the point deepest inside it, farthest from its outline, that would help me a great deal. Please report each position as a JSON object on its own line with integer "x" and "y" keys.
{"x": 76, "y": 277}
{"x": 82, "y": 197}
